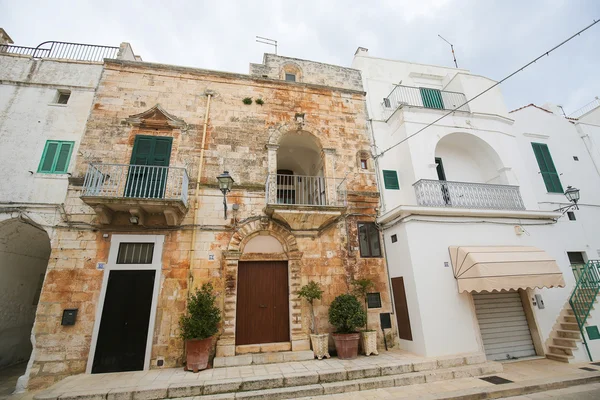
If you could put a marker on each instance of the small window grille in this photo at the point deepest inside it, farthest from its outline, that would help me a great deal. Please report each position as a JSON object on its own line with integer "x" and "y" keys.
{"x": 575, "y": 158}
{"x": 373, "y": 300}
{"x": 363, "y": 163}
{"x": 290, "y": 77}
{"x": 571, "y": 215}
{"x": 135, "y": 253}
{"x": 394, "y": 238}
{"x": 386, "y": 102}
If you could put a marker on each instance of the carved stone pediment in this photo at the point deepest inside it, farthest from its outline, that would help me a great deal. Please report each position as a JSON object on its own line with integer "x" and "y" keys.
{"x": 156, "y": 118}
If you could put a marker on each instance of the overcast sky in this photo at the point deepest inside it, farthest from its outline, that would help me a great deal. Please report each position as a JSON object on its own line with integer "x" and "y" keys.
{"x": 491, "y": 38}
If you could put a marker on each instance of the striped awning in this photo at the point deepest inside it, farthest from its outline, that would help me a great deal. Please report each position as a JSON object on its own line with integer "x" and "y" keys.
{"x": 495, "y": 268}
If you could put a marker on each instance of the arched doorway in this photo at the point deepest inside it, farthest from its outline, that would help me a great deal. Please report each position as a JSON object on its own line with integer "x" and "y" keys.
{"x": 24, "y": 254}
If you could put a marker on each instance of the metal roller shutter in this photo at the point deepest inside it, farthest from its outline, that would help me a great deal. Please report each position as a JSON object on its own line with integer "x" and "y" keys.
{"x": 503, "y": 326}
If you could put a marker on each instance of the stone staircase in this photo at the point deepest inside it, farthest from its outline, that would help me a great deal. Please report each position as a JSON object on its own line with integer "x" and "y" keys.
{"x": 564, "y": 336}
{"x": 320, "y": 381}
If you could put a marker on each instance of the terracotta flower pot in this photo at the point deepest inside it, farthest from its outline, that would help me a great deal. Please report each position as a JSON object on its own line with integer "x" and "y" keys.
{"x": 346, "y": 345}
{"x": 196, "y": 354}
{"x": 320, "y": 345}
{"x": 369, "y": 342}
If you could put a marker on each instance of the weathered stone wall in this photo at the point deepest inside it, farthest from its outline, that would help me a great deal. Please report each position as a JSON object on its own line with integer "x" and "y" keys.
{"x": 274, "y": 67}
{"x": 236, "y": 138}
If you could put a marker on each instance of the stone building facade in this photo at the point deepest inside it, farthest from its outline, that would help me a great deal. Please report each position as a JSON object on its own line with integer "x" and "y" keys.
{"x": 302, "y": 208}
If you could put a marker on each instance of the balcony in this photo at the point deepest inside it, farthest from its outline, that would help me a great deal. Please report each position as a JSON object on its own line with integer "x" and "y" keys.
{"x": 143, "y": 191}
{"x": 305, "y": 203}
{"x": 422, "y": 97}
{"x": 432, "y": 193}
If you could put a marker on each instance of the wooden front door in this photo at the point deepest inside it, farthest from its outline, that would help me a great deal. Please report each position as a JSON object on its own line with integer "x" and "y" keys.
{"x": 121, "y": 344}
{"x": 401, "y": 306}
{"x": 143, "y": 181}
{"x": 262, "y": 303}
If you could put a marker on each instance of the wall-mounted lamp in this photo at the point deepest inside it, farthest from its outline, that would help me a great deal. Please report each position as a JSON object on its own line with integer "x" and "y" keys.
{"x": 134, "y": 220}
{"x": 572, "y": 194}
{"x": 225, "y": 183}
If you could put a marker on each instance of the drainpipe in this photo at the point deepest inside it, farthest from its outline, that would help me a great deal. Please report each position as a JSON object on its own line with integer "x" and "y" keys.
{"x": 209, "y": 94}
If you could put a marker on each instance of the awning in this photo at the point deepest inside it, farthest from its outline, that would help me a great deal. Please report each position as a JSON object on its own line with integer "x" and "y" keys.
{"x": 495, "y": 268}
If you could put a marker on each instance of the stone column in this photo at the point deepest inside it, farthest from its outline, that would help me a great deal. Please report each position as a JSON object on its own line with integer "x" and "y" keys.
{"x": 226, "y": 343}
{"x": 300, "y": 340}
{"x": 331, "y": 181}
{"x": 272, "y": 172}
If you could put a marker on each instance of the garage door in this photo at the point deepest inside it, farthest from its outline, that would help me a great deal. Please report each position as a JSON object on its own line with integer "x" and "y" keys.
{"x": 503, "y": 326}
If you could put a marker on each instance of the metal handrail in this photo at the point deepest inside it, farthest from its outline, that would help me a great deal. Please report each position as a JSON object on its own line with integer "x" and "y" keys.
{"x": 584, "y": 295}
{"x": 305, "y": 190}
{"x": 412, "y": 96}
{"x": 437, "y": 193}
{"x": 136, "y": 181}
{"x": 65, "y": 50}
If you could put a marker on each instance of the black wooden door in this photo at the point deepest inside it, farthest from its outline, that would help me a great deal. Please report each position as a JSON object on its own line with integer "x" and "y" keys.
{"x": 143, "y": 181}
{"x": 401, "y": 307}
{"x": 262, "y": 303}
{"x": 121, "y": 344}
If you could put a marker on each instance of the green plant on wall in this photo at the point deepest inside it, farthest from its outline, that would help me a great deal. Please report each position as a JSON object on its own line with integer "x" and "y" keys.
{"x": 311, "y": 292}
{"x": 361, "y": 287}
{"x": 260, "y": 102}
{"x": 247, "y": 100}
{"x": 203, "y": 316}
{"x": 346, "y": 314}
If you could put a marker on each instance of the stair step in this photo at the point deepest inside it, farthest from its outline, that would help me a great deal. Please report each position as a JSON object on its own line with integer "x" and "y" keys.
{"x": 561, "y": 350}
{"x": 568, "y": 334}
{"x": 355, "y": 385}
{"x": 558, "y": 341}
{"x": 569, "y": 326}
{"x": 570, "y": 318}
{"x": 559, "y": 357}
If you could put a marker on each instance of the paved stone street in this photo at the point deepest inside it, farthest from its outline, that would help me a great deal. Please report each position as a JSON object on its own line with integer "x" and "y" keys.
{"x": 583, "y": 392}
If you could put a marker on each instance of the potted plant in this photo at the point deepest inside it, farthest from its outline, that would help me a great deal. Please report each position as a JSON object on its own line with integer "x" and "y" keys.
{"x": 198, "y": 327}
{"x": 346, "y": 314}
{"x": 320, "y": 342}
{"x": 368, "y": 336}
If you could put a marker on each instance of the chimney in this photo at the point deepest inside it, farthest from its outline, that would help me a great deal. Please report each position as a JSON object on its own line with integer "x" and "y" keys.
{"x": 4, "y": 38}
{"x": 362, "y": 51}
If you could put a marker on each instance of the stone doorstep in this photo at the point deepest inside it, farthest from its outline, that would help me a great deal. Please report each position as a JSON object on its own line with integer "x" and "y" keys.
{"x": 263, "y": 358}
{"x": 329, "y": 381}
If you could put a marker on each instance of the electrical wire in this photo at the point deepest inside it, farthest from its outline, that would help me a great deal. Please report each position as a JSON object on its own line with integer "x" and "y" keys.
{"x": 547, "y": 53}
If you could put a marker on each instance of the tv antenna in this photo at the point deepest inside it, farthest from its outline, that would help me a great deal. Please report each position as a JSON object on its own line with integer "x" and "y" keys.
{"x": 452, "y": 48}
{"x": 268, "y": 41}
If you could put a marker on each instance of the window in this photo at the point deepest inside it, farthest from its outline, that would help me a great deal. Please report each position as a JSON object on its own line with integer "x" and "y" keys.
{"x": 290, "y": 77}
{"x": 373, "y": 300}
{"x": 571, "y": 215}
{"x": 135, "y": 253}
{"x": 432, "y": 98}
{"x": 390, "y": 180}
{"x": 368, "y": 239}
{"x": 547, "y": 169}
{"x": 363, "y": 163}
{"x": 577, "y": 262}
{"x": 386, "y": 102}
{"x": 394, "y": 238}
{"x": 56, "y": 156}
{"x": 575, "y": 158}
{"x": 62, "y": 97}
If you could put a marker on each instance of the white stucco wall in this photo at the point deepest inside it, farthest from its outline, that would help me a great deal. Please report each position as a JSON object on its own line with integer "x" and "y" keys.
{"x": 29, "y": 117}
{"x": 24, "y": 252}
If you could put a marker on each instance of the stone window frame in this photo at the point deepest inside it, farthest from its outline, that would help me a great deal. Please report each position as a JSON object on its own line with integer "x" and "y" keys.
{"x": 363, "y": 155}
{"x": 291, "y": 68}
{"x": 156, "y": 265}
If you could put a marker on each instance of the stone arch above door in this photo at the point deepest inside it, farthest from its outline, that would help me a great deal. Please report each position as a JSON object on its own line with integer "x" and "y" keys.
{"x": 263, "y": 226}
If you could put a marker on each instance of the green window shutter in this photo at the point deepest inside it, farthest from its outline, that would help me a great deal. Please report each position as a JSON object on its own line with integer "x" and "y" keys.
{"x": 56, "y": 157}
{"x": 547, "y": 168}
{"x": 432, "y": 98}
{"x": 390, "y": 180}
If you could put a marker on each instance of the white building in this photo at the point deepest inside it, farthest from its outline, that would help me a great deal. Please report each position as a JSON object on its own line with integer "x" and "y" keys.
{"x": 477, "y": 255}
{"x": 46, "y": 94}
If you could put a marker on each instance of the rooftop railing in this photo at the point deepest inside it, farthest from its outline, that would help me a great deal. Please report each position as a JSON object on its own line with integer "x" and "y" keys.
{"x": 422, "y": 97}
{"x": 432, "y": 193}
{"x": 64, "y": 50}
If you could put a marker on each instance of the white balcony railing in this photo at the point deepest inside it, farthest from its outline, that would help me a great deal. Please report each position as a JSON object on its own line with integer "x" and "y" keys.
{"x": 432, "y": 193}
{"x": 306, "y": 190}
{"x": 413, "y": 96}
{"x": 136, "y": 182}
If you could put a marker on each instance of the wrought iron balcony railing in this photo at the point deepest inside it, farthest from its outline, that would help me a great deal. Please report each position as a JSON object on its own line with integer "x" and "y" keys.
{"x": 422, "y": 97}
{"x": 432, "y": 193}
{"x": 65, "y": 51}
{"x": 306, "y": 190}
{"x": 136, "y": 182}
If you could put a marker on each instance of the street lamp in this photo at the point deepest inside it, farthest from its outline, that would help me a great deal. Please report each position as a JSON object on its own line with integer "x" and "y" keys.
{"x": 225, "y": 183}
{"x": 572, "y": 194}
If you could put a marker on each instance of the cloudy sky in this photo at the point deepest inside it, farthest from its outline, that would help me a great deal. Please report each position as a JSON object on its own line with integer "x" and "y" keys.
{"x": 491, "y": 38}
